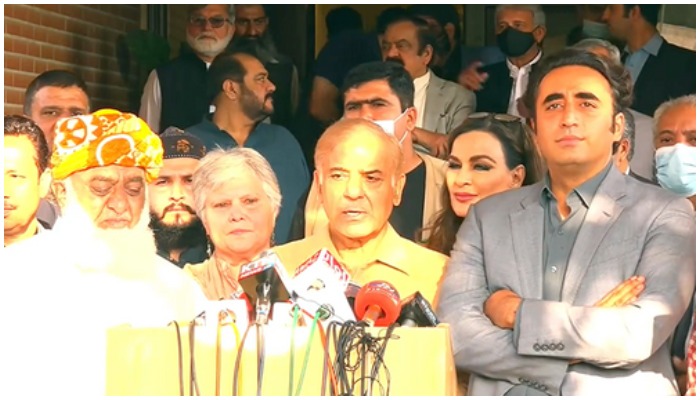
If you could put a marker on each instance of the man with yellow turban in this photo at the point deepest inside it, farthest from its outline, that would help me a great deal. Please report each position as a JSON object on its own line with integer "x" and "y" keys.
{"x": 97, "y": 268}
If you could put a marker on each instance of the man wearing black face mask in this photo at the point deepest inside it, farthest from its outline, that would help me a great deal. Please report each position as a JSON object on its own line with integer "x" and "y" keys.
{"x": 520, "y": 30}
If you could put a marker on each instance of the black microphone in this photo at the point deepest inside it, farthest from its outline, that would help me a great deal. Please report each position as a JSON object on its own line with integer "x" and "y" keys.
{"x": 417, "y": 312}
{"x": 264, "y": 282}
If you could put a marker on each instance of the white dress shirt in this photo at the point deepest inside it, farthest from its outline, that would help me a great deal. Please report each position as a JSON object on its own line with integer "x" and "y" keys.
{"x": 420, "y": 85}
{"x": 520, "y": 78}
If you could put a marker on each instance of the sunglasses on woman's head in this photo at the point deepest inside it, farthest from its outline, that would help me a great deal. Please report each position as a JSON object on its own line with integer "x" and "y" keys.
{"x": 496, "y": 116}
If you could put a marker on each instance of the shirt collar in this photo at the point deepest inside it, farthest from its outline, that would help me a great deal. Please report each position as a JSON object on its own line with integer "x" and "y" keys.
{"x": 586, "y": 191}
{"x": 388, "y": 251}
{"x": 652, "y": 46}
{"x": 514, "y": 70}
{"x": 422, "y": 81}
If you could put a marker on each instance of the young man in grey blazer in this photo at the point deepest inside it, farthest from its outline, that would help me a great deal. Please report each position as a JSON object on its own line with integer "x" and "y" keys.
{"x": 574, "y": 285}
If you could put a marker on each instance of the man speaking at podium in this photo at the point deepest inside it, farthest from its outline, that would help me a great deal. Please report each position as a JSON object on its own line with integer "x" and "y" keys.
{"x": 358, "y": 174}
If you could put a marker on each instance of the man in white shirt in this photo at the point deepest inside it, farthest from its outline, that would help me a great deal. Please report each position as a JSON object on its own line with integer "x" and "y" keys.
{"x": 441, "y": 105}
{"x": 62, "y": 290}
{"x": 176, "y": 93}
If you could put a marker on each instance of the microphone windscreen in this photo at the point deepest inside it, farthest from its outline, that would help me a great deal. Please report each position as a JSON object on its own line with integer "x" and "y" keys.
{"x": 379, "y": 294}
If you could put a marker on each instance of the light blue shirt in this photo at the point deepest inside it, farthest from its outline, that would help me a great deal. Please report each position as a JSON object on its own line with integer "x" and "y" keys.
{"x": 635, "y": 61}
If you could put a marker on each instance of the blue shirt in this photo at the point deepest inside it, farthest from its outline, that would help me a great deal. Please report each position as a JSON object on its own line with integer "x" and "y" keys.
{"x": 635, "y": 61}
{"x": 281, "y": 150}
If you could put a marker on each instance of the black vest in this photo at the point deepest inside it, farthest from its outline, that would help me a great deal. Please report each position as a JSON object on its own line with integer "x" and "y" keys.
{"x": 281, "y": 74}
{"x": 183, "y": 88}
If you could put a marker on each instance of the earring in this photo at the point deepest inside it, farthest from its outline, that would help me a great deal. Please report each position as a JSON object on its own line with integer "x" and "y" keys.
{"x": 272, "y": 240}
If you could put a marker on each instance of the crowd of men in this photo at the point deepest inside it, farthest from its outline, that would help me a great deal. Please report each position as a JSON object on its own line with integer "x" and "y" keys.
{"x": 582, "y": 283}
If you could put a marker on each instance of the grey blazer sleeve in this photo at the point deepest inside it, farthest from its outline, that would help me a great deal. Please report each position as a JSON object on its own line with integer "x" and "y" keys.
{"x": 622, "y": 337}
{"x": 479, "y": 346}
{"x": 461, "y": 105}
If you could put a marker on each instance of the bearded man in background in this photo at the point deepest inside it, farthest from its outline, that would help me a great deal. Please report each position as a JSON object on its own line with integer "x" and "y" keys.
{"x": 175, "y": 93}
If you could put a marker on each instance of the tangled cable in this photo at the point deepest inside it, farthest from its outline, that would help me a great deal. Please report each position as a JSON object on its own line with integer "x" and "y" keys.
{"x": 354, "y": 348}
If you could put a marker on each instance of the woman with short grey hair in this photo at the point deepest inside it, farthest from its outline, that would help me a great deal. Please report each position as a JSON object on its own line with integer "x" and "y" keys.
{"x": 237, "y": 197}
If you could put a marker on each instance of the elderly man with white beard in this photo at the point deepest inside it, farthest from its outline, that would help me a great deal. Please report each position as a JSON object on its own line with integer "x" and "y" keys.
{"x": 98, "y": 268}
{"x": 175, "y": 93}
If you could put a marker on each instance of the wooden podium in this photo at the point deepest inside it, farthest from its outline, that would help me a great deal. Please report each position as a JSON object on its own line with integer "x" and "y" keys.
{"x": 145, "y": 362}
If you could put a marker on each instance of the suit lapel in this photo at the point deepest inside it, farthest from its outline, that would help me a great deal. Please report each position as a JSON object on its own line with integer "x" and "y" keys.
{"x": 604, "y": 209}
{"x": 433, "y": 103}
{"x": 527, "y": 226}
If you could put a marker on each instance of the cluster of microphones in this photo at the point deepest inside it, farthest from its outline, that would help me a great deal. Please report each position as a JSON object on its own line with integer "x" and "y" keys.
{"x": 320, "y": 293}
{"x": 321, "y": 284}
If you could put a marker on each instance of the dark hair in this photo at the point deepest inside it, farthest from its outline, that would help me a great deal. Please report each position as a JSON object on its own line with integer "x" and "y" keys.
{"x": 518, "y": 148}
{"x": 54, "y": 78}
{"x": 443, "y": 13}
{"x": 226, "y": 66}
{"x": 17, "y": 125}
{"x": 423, "y": 33}
{"x": 386, "y": 17}
{"x": 650, "y": 12}
{"x": 617, "y": 76}
{"x": 395, "y": 74}
{"x": 342, "y": 19}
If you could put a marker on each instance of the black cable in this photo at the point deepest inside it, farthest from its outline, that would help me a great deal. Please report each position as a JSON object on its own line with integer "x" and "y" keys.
{"x": 237, "y": 366}
{"x": 179, "y": 358}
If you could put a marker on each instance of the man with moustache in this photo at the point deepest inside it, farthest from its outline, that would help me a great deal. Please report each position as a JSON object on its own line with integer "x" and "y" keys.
{"x": 175, "y": 93}
{"x": 97, "y": 269}
{"x": 242, "y": 92}
{"x": 180, "y": 235}
{"x": 252, "y": 35}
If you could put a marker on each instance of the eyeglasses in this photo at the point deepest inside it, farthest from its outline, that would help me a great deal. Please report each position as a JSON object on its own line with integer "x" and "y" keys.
{"x": 201, "y": 22}
{"x": 496, "y": 116}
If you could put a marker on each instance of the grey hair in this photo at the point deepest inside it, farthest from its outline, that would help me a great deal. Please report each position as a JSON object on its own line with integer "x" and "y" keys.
{"x": 221, "y": 166}
{"x": 230, "y": 8}
{"x": 590, "y": 44}
{"x": 669, "y": 104}
{"x": 536, "y": 10}
{"x": 629, "y": 132}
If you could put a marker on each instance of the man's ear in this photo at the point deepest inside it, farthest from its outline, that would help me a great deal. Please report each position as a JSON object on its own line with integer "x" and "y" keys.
{"x": 411, "y": 118}
{"x": 618, "y": 126}
{"x": 58, "y": 188}
{"x": 44, "y": 183}
{"x": 398, "y": 189}
{"x": 539, "y": 33}
{"x": 231, "y": 89}
{"x": 450, "y": 32}
{"x": 428, "y": 54}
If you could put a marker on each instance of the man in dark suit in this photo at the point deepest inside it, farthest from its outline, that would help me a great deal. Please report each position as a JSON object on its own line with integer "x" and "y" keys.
{"x": 660, "y": 71}
{"x": 520, "y": 30}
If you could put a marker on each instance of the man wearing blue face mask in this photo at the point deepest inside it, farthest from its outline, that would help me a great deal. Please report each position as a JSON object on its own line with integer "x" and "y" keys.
{"x": 676, "y": 159}
{"x": 674, "y": 140}
{"x": 520, "y": 30}
{"x": 383, "y": 92}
